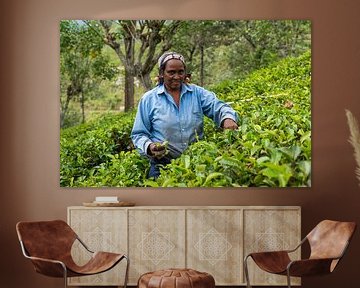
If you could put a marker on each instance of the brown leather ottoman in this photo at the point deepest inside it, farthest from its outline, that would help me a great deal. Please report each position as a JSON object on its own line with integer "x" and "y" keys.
{"x": 176, "y": 278}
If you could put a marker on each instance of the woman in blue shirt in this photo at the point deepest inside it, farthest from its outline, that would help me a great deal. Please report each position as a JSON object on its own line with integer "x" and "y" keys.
{"x": 173, "y": 113}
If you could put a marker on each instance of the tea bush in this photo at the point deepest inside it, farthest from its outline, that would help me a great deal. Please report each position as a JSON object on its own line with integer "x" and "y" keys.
{"x": 272, "y": 146}
{"x": 85, "y": 148}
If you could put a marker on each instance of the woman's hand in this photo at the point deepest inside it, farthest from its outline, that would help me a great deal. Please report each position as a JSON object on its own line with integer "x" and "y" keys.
{"x": 229, "y": 124}
{"x": 157, "y": 150}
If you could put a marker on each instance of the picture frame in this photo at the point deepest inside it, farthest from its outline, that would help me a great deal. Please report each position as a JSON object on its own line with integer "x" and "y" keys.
{"x": 271, "y": 146}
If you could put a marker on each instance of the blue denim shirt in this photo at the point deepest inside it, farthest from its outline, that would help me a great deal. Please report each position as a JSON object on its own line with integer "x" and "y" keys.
{"x": 159, "y": 119}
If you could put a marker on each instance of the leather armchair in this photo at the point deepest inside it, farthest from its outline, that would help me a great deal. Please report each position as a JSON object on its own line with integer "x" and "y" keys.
{"x": 328, "y": 242}
{"x": 48, "y": 245}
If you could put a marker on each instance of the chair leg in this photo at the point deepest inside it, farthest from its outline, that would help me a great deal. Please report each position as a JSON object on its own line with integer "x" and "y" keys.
{"x": 127, "y": 271}
{"x": 288, "y": 278}
{"x": 246, "y": 272}
{"x": 65, "y": 275}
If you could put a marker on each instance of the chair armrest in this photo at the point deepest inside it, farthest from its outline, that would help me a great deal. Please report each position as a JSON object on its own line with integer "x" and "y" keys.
{"x": 282, "y": 251}
{"x": 298, "y": 246}
{"x": 48, "y": 267}
{"x": 84, "y": 245}
{"x": 309, "y": 267}
{"x": 46, "y": 260}
{"x": 268, "y": 253}
{"x": 271, "y": 261}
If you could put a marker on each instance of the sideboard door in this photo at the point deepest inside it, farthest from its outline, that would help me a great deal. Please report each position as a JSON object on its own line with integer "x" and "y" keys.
{"x": 101, "y": 230}
{"x": 269, "y": 229}
{"x": 156, "y": 240}
{"x": 214, "y": 243}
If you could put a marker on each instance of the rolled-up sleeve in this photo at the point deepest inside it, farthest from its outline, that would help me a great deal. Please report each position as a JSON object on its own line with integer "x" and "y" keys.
{"x": 216, "y": 109}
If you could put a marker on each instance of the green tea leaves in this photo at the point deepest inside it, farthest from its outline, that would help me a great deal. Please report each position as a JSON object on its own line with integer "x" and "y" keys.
{"x": 271, "y": 147}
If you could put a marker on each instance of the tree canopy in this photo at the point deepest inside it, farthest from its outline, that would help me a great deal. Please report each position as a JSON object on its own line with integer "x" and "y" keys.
{"x": 103, "y": 59}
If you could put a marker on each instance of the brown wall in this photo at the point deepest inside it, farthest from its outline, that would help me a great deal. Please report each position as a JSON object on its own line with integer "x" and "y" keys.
{"x": 29, "y": 112}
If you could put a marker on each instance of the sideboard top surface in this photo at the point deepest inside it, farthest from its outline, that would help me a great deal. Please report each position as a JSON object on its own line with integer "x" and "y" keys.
{"x": 192, "y": 207}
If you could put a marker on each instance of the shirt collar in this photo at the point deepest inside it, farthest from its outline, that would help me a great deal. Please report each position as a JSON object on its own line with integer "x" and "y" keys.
{"x": 184, "y": 88}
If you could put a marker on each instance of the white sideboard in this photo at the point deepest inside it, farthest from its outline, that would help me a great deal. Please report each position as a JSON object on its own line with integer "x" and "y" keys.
{"x": 211, "y": 239}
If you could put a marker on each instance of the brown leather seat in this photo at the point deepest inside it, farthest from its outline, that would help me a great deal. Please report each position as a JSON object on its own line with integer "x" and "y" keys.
{"x": 48, "y": 245}
{"x": 176, "y": 278}
{"x": 328, "y": 242}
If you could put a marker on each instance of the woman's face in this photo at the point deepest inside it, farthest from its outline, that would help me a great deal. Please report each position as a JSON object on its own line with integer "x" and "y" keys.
{"x": 174, "y": 74}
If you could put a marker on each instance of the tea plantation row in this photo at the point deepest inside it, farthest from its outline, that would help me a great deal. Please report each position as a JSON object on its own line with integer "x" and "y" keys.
{"x": 272, "y": 146}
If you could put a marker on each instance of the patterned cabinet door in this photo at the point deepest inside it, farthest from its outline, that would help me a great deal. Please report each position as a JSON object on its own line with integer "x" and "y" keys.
{"x": 156, "y": 240}
{"x": 271, "y": 229}
{"x": 214, "y": 244}
{"x": 101, "y": 230}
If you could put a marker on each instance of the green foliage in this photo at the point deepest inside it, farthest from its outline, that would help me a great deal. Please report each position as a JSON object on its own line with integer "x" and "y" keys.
{"x": 232, "y": 48}
{"x": 262, "y": 42}
{"x": 83, "y": 65}
{"x": 272, "y": 146}
{"x": 124, "y": 169}
{"x": 85, "y": 148}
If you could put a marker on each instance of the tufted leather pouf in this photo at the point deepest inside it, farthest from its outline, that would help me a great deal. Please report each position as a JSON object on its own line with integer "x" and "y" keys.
{"x": 176, "y": 278}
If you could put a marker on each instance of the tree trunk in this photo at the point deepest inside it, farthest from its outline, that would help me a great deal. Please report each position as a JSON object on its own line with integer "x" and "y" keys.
{"x": 70, "y": 93}
{"x": 148, "y": 34}
{"x": 146, "y": 82}
{"x": 129, "y": 42}
{"x": 201, "y": 65}
{"x": 82, "y": 99}
{"x": 129, "y": 91}
{"x": 64, "y": 111}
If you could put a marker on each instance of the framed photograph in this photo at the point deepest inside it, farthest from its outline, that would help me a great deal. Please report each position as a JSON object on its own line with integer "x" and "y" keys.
{"x": 185, "y": 103}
